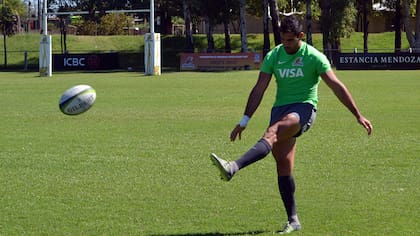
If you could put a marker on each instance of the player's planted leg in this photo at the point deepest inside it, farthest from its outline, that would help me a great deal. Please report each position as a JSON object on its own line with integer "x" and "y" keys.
{"x": 284, "y": 153}
{"x": 289, "y": 227}
{"x": 287, "y": 192}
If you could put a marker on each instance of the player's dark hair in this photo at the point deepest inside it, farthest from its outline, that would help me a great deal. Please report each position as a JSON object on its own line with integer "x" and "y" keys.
{"x": 290, "y": 24}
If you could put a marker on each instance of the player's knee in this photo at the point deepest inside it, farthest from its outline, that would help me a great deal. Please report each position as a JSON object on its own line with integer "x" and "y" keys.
{"x": 292, "y": 122}
{"x": 271, "y": 135}
{"x": 284, "y": 169}
{"x": 292, "y": 118}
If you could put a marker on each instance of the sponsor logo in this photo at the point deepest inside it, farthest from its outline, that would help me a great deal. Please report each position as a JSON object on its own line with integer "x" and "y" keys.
{"x": 73, "y": 61}
{"x": 298, "y": 62}
{"x": 379, "y": 59}
{"x": 291, "y": 72}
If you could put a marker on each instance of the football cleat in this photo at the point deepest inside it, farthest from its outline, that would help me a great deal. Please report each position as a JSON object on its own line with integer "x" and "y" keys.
{"x": 223, "y": 166}
{"x": 289, "y": 228}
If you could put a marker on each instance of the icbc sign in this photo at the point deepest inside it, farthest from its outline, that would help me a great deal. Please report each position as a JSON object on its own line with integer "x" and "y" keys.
{"x": 105, "y": 61}
{"x": 73, "y": 61}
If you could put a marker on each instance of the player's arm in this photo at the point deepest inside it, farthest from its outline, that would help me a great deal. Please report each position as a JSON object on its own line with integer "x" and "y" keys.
{"x": 343, "y": 94}
{"x": 254, "y": 100}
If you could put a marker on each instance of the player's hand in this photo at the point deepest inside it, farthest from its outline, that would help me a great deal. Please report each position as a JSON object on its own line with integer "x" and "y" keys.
{"x": 236, "y": 132}
{"x": 366, "y": 124}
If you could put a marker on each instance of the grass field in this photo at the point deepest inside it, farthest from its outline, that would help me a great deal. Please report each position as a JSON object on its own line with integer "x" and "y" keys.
{"x": 137, "y": 162}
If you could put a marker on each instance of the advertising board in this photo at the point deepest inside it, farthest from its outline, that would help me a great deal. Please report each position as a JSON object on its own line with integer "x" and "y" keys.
{"x": 220, "y": 61}
{"x": 378, "y": 61}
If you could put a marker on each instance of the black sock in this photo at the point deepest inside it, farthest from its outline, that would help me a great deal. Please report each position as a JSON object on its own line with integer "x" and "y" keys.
{"x": 260, "y": 150}
{"x": 287, "y": 192}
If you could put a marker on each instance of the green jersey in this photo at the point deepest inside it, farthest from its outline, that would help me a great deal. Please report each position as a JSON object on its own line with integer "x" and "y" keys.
{"x": 297, "y": 75}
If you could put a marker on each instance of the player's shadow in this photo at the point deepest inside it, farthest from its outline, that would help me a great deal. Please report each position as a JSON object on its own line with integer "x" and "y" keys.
{"x": 214, "y": 234}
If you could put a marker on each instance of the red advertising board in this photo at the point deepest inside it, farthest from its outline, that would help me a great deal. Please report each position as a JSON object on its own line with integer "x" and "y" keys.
{"x": 220, "y": 61}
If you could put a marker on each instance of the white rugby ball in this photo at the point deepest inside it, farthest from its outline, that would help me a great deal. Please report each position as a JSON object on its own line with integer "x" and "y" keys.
{"x": 77, "y": 99}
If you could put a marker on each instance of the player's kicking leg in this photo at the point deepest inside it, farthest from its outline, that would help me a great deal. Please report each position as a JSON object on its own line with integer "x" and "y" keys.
{"x": 227, "y": 169}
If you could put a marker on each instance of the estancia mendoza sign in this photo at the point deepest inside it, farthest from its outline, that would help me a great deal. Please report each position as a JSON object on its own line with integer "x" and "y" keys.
{"x": 379, "y": 61}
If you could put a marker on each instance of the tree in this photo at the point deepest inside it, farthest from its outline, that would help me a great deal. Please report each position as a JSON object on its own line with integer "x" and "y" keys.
{"x": 396, "y": 5}
{"x": 412, "y": 37}
{"x": 226, "y": 21}
{"x": 8, "y": 24}
{"x": 96, "y": 5}
{"x": 397, "y": 20}
{"x": 308, "y": 22}
{"x": 165, "y": 10}
{"x": 275, "y": 21}
{"x": 266, "y": 45}
{"x": 114, "y": 23}
{"x": 18, "y": 7}
{"x": 209, "y": 11}
{"x": 242, "y": 13}
{"x": 337, "y": 20}
{"x": 365, "y": 26}
{"x": 63, "y": 35}
{"x": 298, "y": 7}
{"x": 230, "y": 12}
{"x": 188, "y": 32}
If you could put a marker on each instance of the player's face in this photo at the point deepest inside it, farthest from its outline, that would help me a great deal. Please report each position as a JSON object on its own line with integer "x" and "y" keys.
{"x": 291, "y": 42}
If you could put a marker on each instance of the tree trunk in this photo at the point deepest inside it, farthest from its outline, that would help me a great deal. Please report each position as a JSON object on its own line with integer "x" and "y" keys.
{"x": 417, "y": 27}
{"x": 325, "y": 27}
{"x": 4, "y": 46}
{"x": 327, "y": 45}
{"x": 226, "y": 21}
{"x": 397, "y": 26}
{"x": 413, "y": 39}
{"x": 308, "y": 22}
{"x": 65, "y": 38}
{"x": 418, "y": 21}
{"x": 209, "y": 33}
{"x": 61, "y": 34}
{"x": 165, "y": 22}
{"x": 266, "y": 46}
{"x": 244, "y": 40}
{"x": 365, "y": 27}
{"x": 188, "y": 33}
{"x": 275, "y": 22}
{"x": 228, "y": 48}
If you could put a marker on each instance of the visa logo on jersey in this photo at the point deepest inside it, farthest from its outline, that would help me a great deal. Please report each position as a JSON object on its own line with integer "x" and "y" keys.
{"x": 291, "y": 72}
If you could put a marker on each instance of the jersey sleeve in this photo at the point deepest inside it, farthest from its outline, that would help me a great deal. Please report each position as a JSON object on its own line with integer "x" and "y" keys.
{"x": 324, "y": 64}
{"x": 267, "y": 65}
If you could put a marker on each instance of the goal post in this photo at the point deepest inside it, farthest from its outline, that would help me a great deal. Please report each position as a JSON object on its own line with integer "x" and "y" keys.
{"x": 152, "y": 49}
{"x": 45, "y": 47}
{"x": 152, "y": 58}
{"x": 152, "y": 54}
{"x": 45, "y": 56}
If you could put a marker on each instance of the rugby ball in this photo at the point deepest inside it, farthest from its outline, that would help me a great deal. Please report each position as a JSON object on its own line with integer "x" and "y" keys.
{"x": 77, "y": 99}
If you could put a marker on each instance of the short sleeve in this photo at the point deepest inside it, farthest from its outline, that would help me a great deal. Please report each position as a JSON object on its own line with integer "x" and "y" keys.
{"x": 324, "y": 64}
{"x": 267, "y": 65}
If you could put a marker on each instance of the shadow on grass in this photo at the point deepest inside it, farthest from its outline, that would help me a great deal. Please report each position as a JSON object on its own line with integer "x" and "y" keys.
{"x": 214, "y": 234}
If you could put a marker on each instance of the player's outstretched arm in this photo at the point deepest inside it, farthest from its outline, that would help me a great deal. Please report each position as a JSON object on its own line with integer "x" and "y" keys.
{"x": 254, "y": 101}
{"x": 343, "y": 94}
